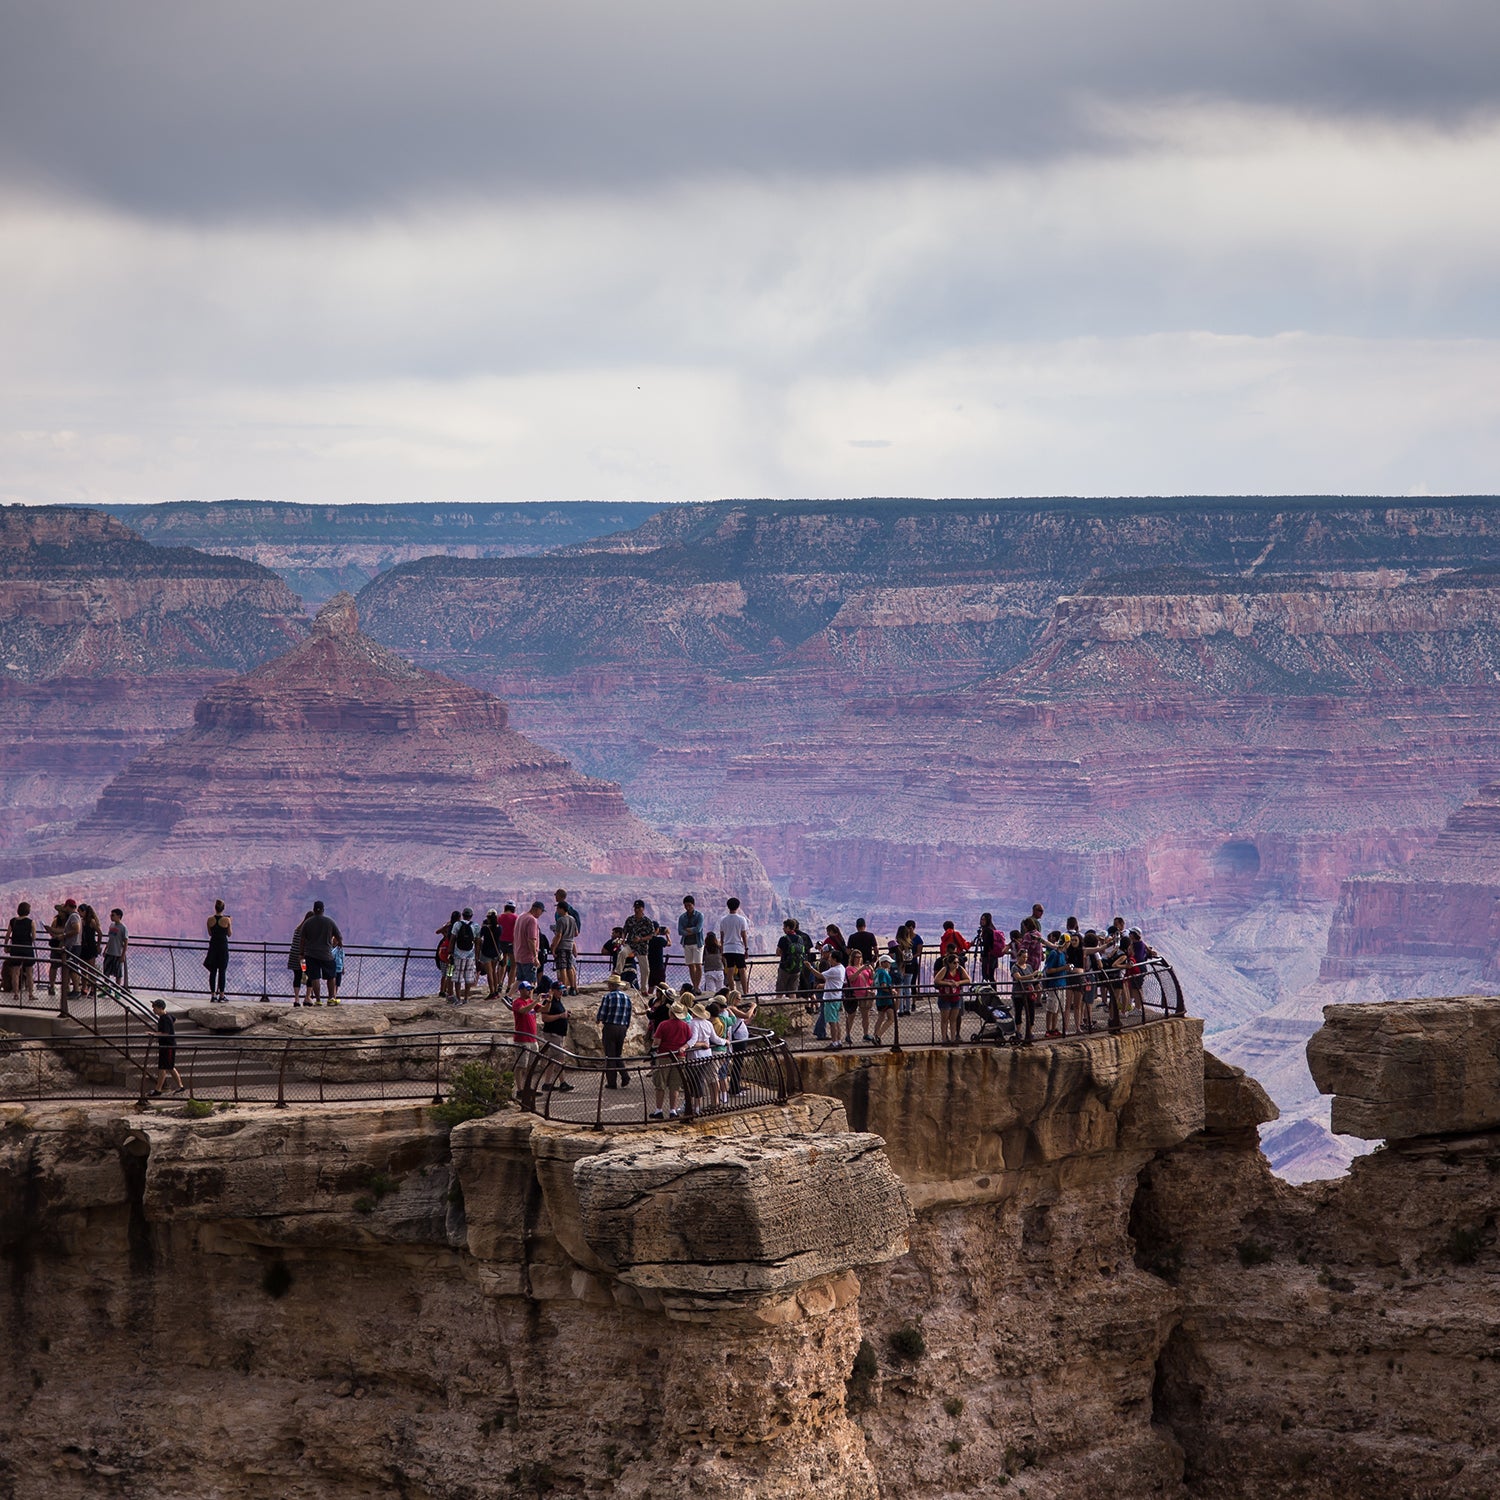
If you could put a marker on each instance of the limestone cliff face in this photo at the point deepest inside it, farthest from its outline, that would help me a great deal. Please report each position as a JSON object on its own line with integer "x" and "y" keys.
{"x": 107, "y": 645}
{"x": 341, "y": 771}
{"x": 1337, "y": 1340}
{"x": 1067, "y": 1272}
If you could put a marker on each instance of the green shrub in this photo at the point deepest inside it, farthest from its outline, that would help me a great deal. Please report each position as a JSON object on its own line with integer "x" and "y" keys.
{"x": 1253, "y": 1253}
{"x": 908, "y": 1342}
{"x": 196, "y": 1109}
{"x": 475, "y": 1090}
{"x": 775, "y": 1019}
{"x": 955, "y": 1445}
{"x": 954, "y": 1406}
{"x": 364, "y": 1205}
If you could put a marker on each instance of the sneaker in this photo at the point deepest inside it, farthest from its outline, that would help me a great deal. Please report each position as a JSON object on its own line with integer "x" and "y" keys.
{"x": 296, "y": 1005}
{"x": 673, "y": 1114}
{"x": 869, "y": 1040}
{"x": 656, "y": 1114}
{"x": 335, "y": 1002}
{"x": 565, "y": 1088}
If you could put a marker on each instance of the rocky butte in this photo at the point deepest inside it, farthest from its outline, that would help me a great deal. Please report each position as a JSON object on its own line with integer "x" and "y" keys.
{"x": 340, "y": 771}
{"x": 1053, "y": 1273}
{"x": 108, "y": 644}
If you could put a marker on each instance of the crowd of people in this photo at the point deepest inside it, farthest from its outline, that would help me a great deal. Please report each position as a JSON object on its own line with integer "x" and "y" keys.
{"x": 855, "y": 986}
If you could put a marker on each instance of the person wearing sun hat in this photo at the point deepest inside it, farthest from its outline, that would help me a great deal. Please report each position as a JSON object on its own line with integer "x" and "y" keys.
{"x": 669, "y": 1043}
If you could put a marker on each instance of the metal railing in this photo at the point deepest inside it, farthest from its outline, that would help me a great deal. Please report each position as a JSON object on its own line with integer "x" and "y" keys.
{"x": 598, "y": 1091}
{"x": 1084, "y": 1004}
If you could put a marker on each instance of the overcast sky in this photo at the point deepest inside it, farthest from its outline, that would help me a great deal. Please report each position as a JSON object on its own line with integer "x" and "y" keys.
{"x": 633, "y": 249}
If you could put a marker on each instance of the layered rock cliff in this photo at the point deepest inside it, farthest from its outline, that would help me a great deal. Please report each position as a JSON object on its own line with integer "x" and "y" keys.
{"x": 1065, "y": 1272}
{"x": 108, "y": 643}
{"x": 341, "y": 771}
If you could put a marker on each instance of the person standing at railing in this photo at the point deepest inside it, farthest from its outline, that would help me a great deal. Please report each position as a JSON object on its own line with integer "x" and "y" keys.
{"x": 528, "y": 945}
{"x": 885, "y": 996}
{"x": 465, "y": 938}
{"x": 1023, "y": 982}
{"x": 91, "y": 940}
{"x": 297, "y": 964}
{"x": 523, "y": 1009}
{"x": 831, "y": 985}
{"x": 863, "y": 942}
{"x": 614, "y": 1016}
{"x": 216, "y": 960}
{"x": 320, "y": 935}
{"x": 713, "y": 966}
{"x": 738, "y": 1015}
{"x": 507, "y": 925}
{"x": 915, "y": 947}
{"x": 859, "y": 995}
{"x": 991, "y": 945}
{"x": 734, "y": 939}
{"x": 117, "y": 949}
{"x": 489, "y": 952}
{"x": 71, "y": 942}
{"x": 949, "y": 981}
{"x": 690, "y": 935}
{"x": 565, "y": 944}
{"x": 669, "y": 1044}
{"x": 20, "y": 951}
{"x": 656, "y": 957}
{"x": 638, "y": 931}
{"x": 789, "y": 957}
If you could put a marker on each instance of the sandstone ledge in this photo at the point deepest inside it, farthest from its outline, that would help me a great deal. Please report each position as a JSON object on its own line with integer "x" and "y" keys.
{"x": 1401, "y": 1069}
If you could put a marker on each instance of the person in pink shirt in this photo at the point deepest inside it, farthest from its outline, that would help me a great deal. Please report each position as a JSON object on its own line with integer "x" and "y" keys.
{"x": 528, "y": 943}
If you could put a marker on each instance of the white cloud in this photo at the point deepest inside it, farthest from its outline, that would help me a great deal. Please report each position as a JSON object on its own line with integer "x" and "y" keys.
{"x": 1235, "y": 300}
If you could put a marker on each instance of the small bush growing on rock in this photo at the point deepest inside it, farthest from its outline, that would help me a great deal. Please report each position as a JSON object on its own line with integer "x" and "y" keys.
{"x": 775, "y": 1019}
{"x": 1253, "y": 1253}
{"x": 1463, "y": 1246}
{"x": 475, "y": 1090}
{"x": 908, "y": 1342}
{"x": 954, "y": 1406}
{"x": 955, "y": 1445}
{"x": 196, "y": 1109}
{"x": 364, "y": 1205}
{"x": 277, "y": 1281}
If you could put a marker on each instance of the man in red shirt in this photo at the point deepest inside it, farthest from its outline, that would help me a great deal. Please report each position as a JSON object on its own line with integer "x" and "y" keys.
{"x": 508, "y": 948}
{"x": 669, "y": 1047}
{"x": 528, "y": 943}
{"x": 952, "y": 941}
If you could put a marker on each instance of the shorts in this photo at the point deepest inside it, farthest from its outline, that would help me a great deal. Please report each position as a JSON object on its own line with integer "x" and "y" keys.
{"x": 166, "y": 1058}
{"x": 113, "y": 965}
{"x": 734, "y": 963}
{"x": 463, "y": 966}
{"x": 526, "y": 972}
{"x": 833, "y": 1012}
{"x": 507, "y": 950}
{"x": 668, "y": 1076}
{"x": 885, "y": 1002}
{"x": 950, "y": 1004}
{"x": 563, "y": 958}
{"x": 321, "y": 968}
{"x": 692, "y": 953}
{"x": 850, "y": 1004}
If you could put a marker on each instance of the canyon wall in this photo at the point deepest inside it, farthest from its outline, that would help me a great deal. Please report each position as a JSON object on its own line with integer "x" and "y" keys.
{"x": 108, "y": 644}
{"x": 323, "y": 549}
{"x": 1067, "y": 1271}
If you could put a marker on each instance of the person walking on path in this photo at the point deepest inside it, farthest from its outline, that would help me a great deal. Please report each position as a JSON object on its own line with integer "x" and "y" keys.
{"x": 166, "y": 1049}
{"x": 613, "y": 1016}
{"x": 320, "y": 935}
{"x": 734, "y": 939}
{"x": 216, "y": 960}
{"x": 690, "y": 935}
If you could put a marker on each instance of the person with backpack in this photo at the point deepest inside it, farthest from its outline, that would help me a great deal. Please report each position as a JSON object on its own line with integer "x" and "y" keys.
{"x": 465, "y": 937}
{"x": 989, "y": 941}
{"x": 443, "y": 957}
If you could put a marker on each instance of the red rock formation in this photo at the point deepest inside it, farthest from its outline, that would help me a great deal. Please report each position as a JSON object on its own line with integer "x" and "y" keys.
{"x": 107, "y": 644}
{"x": 341, "y": 770}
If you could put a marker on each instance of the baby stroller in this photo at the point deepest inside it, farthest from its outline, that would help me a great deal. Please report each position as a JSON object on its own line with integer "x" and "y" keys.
{"x": 996, "y": 1022}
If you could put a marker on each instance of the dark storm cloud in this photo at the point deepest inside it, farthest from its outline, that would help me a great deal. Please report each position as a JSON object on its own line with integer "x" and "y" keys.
{"x": 203, "y": 109}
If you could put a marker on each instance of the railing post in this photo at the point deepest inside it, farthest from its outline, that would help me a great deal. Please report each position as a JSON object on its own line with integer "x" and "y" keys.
{"x": 896, "y": 1029}
{"x": 405, "y": 959}
{"x": 172, "y": 960}
{"x": 1181, "y": 1004}
{"x": 265, "y": 974}
{"x": 437, "y": 1070}
{"x": 286, "y": 1052}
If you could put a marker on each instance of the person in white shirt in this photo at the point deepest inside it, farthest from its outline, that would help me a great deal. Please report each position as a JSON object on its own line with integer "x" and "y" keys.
{"x": 703, "y": 1088}
{"x": 831, "y": 982}
{"x": 734, "y": 938}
